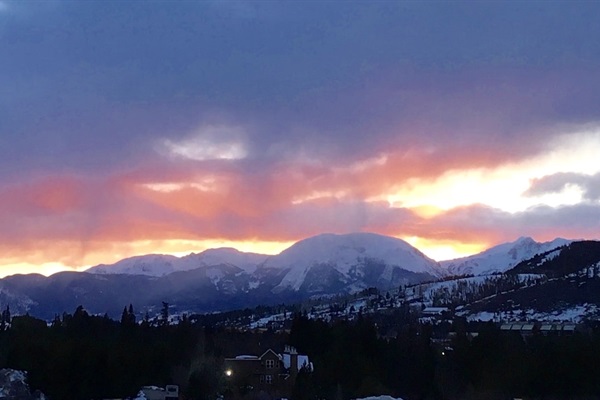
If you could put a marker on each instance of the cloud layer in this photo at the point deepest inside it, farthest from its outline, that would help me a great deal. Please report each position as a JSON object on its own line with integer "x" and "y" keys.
{"x": 138, "y": 127}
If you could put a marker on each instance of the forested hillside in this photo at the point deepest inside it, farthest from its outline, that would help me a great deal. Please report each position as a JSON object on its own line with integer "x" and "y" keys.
{"x": 566, "y": 260}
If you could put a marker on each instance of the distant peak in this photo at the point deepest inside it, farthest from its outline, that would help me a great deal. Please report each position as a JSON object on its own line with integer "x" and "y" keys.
{"x": 222, "y": 250}
{"x": 350, "y": 236}
{"x": 525, "y": 239}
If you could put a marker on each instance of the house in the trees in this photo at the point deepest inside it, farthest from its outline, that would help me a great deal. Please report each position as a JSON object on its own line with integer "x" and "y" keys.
{"x": 270, "y": 375}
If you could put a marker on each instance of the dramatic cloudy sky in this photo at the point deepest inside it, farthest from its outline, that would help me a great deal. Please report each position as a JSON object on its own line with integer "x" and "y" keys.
{"x": 135, "y": 127}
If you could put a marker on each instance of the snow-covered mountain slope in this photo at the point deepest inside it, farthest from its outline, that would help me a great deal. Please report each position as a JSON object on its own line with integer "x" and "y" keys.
{"x": 225, "y": 255}
{"x": 151, "y": 264}
{"x": 348, "y": 257}
{"x": 161, "y": 265}
{"x": 500, "y": 258}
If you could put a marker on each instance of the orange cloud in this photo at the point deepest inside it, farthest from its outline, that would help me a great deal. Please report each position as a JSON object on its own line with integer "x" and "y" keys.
{"x": 52, "y": 195}
{"x": 172, "y": 206}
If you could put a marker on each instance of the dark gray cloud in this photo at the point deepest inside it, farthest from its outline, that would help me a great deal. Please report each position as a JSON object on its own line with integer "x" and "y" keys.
{"x": 556, "y": 183}
{"x": 479, "y": 223}
{"x": 88, "y": 85}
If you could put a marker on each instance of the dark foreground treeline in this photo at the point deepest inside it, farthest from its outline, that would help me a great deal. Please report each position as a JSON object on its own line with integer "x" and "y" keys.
{"x": 80, "y": 356}
{"x": 88, "y": 357}
{"x": 351, "y": 362}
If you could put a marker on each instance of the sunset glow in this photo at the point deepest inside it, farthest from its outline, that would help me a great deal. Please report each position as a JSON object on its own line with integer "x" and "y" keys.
{"x": 256, "y": 125}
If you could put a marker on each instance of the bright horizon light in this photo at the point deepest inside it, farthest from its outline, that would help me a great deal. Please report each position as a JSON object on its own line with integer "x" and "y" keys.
{"x": 503, "y": 187}
{"x": 436, "y": 250}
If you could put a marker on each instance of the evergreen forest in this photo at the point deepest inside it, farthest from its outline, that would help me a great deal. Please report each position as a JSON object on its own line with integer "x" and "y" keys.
{"x": 81, "y": 356}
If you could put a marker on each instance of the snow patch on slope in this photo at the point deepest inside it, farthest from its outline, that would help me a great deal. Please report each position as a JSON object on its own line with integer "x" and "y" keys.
{"x": 576, "y": 314}
{"x": 226, "y": 255}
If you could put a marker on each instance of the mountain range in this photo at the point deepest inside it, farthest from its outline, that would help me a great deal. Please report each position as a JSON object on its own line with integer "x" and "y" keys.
{"x": 162, "y": 264}
{"x": 221, "y": 279}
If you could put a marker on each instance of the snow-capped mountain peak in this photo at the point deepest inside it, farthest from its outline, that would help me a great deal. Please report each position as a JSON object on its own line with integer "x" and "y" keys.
{"x": 500, "y": 258}
{"x": 161, "y": 264}
{"x": 226, "y": 255}
{"x": 151, "y": 264}
{"x": 347, "y": 262}
{"x": 343, "y": 253}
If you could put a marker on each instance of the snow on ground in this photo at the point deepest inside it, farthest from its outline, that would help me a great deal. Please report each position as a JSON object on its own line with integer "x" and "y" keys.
{"x": 483, "y": 316}
{"x": 550, "y": 256}
{"x": 215, "y": 274}
{"x": 263, "y": 322}
{"x": 382, "y": 397}
{"x": 14, "y": 375}
{"x": 140, "y": 396}
{"x": 453, "y": 284}
{"x": 7, "y": 377}
{"x": 13, "y": 385}
{"x": 571, "y": 314}
{"x": 425, "y": 291}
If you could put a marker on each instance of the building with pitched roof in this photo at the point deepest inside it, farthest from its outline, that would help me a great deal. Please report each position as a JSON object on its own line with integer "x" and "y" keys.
{"x": 270, "y": 375}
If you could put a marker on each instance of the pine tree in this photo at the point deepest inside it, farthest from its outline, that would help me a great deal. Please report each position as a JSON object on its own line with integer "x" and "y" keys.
{"x": 5, "y": 320}
{"x": 165, "y": 314}
{"x": 124, "y": 317}
{"x": 128, "y": 316}
{"x": 131, "y": 314}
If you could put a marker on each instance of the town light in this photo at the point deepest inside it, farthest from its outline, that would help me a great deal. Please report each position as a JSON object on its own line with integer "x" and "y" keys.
{"x": 228, "y": 372}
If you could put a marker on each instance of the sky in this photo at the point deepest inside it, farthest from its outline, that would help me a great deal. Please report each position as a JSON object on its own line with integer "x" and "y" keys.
{"x": 130, "y": 127}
